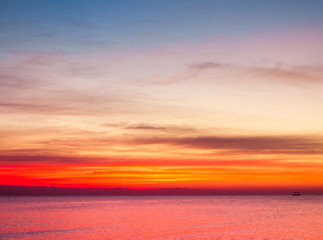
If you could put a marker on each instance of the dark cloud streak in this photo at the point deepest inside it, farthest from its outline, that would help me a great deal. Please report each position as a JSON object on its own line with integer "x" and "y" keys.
{"x": 160, "y": 128}
{"x": 255, "y": 144}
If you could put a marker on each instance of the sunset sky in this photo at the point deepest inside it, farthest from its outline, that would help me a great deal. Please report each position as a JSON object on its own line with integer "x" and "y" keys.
{"x": 153, "y": 94}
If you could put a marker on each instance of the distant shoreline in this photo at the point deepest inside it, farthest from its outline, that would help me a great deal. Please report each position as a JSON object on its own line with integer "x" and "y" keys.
{"x": 8, "y": 190}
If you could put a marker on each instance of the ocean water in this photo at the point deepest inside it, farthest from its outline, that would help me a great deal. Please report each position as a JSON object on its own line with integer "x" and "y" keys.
{"x": 162, "y": 217}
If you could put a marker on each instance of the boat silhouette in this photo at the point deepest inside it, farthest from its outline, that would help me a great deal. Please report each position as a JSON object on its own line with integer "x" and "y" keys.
{"x": 296, "y": 194}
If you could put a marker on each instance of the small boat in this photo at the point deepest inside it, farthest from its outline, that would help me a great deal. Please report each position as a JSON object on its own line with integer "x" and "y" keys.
{"x": 296, "y": 194}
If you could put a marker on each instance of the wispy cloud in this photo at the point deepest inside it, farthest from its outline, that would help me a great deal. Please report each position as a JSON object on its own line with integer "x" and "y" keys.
{"x": 58, "y": 83}
{"x": 294, "y": 75}
{"x": 193, "y": 71}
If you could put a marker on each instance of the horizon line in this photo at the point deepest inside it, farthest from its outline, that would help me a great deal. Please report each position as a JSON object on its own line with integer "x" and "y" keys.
{"x": 15, "y": 190}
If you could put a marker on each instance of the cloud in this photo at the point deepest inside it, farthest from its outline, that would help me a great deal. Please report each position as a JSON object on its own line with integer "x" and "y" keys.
{"x": 245, "y": 144}
{"x": 34, "y": 157}
{"x": 207, "y": 65}
{"x": 160, "y": 128}
{"x": 193, "y": 71}
{"x": 143, "y": 128}
{"x": 279, "y": 73}
{"x": 57, "y": 83}
{"x": 294, "y": 75}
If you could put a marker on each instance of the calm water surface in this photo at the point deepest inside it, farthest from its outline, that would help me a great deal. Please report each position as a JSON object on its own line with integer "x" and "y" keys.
{"x": 162, "y": 217}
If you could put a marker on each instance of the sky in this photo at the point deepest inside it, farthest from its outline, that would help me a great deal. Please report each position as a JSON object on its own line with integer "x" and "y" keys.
{"x": 160, "y": 94}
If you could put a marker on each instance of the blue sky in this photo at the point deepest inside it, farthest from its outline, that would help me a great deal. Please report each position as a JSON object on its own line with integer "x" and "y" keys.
{"x": 79, "y": 26}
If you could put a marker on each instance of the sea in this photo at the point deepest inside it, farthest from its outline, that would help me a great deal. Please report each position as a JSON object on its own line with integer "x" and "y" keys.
{"x": 162, "y": 217}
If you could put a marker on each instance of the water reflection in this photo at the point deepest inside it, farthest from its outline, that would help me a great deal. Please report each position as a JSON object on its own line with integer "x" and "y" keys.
{"x": 173, "y": 217}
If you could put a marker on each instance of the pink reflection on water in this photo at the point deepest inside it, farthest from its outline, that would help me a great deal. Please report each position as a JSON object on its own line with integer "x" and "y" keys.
{"x": 182, "y": 217}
